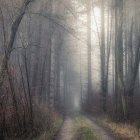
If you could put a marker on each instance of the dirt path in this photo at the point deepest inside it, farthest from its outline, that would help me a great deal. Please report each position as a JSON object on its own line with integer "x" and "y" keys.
{"x": 100, "y": 132}
{"x": 68, "y": 130}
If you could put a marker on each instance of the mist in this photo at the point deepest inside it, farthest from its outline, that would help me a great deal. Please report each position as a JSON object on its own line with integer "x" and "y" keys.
{"x": 69, "y": 65}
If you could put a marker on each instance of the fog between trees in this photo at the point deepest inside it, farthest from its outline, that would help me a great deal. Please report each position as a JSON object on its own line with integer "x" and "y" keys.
{"x": 58, "y": 56}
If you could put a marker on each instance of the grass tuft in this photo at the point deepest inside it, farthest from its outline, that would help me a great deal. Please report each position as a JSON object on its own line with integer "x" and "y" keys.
{"x": 84, "y": 130}
{"x": 85, "y": 133}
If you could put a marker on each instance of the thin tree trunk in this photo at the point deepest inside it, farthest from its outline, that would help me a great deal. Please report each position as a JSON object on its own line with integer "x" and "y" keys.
{"x": 9, "y": 48}
{"x": 89, "y": 92}
{"x": 29, "y": 91}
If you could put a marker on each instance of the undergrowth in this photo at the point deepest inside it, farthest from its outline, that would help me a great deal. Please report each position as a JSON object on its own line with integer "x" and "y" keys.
{"x": 122, "y": 130}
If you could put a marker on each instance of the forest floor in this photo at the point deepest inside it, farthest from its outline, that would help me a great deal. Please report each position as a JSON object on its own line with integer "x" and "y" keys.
{"x": 122, "y": 130}
{"x": 81, "y": 127}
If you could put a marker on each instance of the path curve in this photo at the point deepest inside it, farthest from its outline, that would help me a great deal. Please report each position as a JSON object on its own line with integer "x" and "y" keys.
{"x": 67, "y": 131}
{"x": 100, "y": 132}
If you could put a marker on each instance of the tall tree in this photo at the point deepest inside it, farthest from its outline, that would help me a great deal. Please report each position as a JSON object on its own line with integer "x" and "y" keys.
{"x": 89, "y": 90}
{"x": 9, "y": 47}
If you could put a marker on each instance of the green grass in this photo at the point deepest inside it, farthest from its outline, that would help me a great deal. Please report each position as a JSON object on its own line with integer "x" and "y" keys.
{"x": 83, "y": 129}
{"x": 85, "y": 133}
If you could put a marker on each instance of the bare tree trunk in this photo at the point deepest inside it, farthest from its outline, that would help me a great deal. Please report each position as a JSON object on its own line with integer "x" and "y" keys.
{"x": 29, "y": 90}
{"x": 89, "y": 90}
{"x": 103, "y": 57}
{"x": 58, "y": 77}
{"x": 35, "y": 79}
{"x": 14, "y": 98}
{"x": 9, "y": 47}
{"x": 81, "y": 86}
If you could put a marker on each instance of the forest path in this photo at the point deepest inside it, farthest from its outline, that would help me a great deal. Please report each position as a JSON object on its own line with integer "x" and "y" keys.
{"x": 99, "y": 131}
{"x": 67, "y": 130}
{"x": 73, "y": 124}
